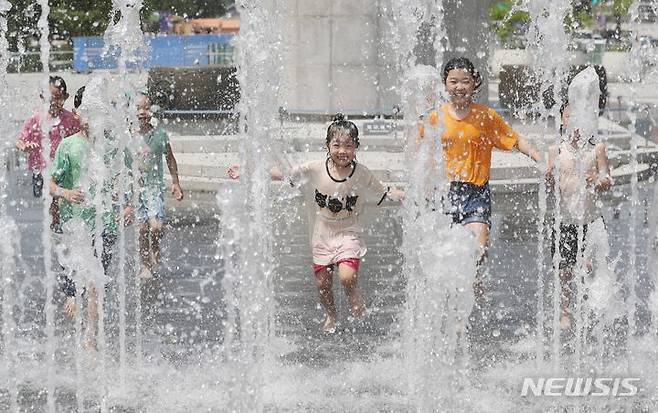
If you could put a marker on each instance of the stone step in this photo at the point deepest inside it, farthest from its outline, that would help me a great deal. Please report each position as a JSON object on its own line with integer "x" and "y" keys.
{"x": 310, "y": 136}
{"x": 204, "y": 144}
{"x": 646, "y": 155}
{"x": 621, "y": 175}
{"x": 203, "y": 189}
{"x": 387, "y": 166}
{"x": 231, "y": 144}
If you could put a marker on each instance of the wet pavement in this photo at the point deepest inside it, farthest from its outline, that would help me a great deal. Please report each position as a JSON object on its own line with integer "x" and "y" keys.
{"x": 183, "y": 308}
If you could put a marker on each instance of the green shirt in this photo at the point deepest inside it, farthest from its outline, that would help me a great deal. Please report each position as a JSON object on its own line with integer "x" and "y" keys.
{"x": 77, "y": 166}
{"x": 147, "y": 152}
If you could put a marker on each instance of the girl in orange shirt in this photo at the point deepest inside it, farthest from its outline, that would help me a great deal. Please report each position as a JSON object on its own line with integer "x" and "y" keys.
{"x": 470, "y": 132}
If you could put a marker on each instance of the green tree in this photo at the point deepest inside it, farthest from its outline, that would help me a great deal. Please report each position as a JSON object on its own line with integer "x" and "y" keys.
{"x": 505, "y": 19}
{"x": 620, "y": 7}
{"x": 22, "y": 21}
{"x": 191, "y": 8}
{"x": 70, "y": 18}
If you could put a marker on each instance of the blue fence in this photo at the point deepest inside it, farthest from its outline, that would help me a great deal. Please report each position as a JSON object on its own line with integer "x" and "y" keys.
{"x": 163, "y": 51}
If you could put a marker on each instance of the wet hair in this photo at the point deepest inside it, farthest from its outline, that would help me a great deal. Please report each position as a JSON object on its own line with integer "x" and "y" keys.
{"x": 342, "y": 125}
{"x": 563, "y": 107}
{"x": 143, "y": 94}
{"x": 464, "y": 64}
{"x": 77, "y": 100}
{"x": 59, "y": 83}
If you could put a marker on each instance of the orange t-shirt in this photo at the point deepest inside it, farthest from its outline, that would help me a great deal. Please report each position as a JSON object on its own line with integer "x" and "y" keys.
{"x": 467, "y": 143}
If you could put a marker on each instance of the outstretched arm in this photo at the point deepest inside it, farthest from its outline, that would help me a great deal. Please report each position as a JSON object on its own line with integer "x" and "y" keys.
{"x": 527, "y": 149}
{"x": 396, "y": 194}
{"x": 550, "y": 165}
{"x": 176, "y": 190}
{"x": 275, "y": 173}
{"x": 603, "y": 181}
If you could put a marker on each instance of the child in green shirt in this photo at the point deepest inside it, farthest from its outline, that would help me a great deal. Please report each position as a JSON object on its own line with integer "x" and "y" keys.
{"x": 75, "y": 174}
{"x": 147, "y": 150}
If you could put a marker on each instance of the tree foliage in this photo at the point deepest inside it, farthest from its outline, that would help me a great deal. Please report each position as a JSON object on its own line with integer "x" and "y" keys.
{"x": 70, "y": 18}
{"x": 620, "y": 7}
{"x": 505, "y": 19}
{"x": 191, "y": 8}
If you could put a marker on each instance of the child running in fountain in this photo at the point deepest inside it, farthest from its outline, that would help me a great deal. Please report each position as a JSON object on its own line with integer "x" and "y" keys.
{"x": 341, "y": 187}
{"x": 579, "y": 206}
{"x": 76, "y": 171}
{"x": 470, "y": 133}
{"x": 63, "y": 124}
{"x": 149, "y": 145}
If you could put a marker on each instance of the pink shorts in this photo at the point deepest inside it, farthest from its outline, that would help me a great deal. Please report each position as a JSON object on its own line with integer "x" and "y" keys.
{"x": 343, "y": 248}
{"x": 352, "y": 262}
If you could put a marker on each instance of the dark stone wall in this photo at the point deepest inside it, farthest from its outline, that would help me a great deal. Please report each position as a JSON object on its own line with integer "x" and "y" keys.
{"x": 194, "y": 88}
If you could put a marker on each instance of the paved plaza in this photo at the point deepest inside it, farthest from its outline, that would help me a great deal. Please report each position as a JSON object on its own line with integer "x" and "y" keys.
{"x": 352, "y": 370}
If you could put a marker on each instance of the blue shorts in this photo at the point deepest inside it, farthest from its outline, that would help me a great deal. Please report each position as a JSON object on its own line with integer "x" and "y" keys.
{"x": 469, "y": 203}
{"x": 150, "y": 205}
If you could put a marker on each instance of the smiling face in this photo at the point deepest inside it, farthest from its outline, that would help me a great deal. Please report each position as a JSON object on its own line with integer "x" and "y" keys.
{"x": 144, "y": 110}
{"x": 342, "y": 149}
{"x": 460, "y": 85}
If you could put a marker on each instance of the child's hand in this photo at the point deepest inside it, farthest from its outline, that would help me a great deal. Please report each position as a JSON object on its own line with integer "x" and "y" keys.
{"x": 27, "y": 146}
{"x": 396, "y": 194}
{"x": 69, "y": 307}
{"x": 177, "y": 192}
{"x": 603, "y": 184}
{"x": 74, "y": 196}
{"x": 549, "y": 179}
{"x": 233, "y": 171}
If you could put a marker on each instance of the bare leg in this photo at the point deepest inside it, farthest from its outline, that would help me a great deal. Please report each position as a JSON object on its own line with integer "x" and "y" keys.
{"x": 144, "y": 248}
{"x": 323, "y": 280}
{"x": 481, "y": 232}
{"x": 54, "y": 215}
{"x": 566, "y": 275}
{"x": 348, "y": 278}
{"x": 157, "y": 229}
{"x": 92, "y": 317}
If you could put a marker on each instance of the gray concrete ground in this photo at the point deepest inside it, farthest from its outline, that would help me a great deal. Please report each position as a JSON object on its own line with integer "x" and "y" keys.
{"x": 184, "y": 312}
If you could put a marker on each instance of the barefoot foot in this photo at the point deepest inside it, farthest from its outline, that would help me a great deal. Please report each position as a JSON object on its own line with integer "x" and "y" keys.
{"x": 329, "y": 325}
{"x": 69, "y": 307}
{"x": 90, "y": 345}
{"x": 154, "y": 258}
{"x": 145, "y": 273}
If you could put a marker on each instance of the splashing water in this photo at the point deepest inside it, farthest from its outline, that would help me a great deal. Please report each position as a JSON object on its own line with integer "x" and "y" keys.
{"x": 10, "y": 243}
{"x": 439, "y": 293}
{"x": 584, "y": 92}
{"x": 431, "y": 363}
{"x": 248, "y": 280}
{"x": 547, "y": 45}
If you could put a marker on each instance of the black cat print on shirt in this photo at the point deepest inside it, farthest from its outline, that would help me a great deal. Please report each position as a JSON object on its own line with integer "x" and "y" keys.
{"x": 335, "y": 205}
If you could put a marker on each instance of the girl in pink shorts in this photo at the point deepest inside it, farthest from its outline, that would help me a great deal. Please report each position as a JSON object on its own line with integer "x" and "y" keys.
{"x": 340, "y": 188}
